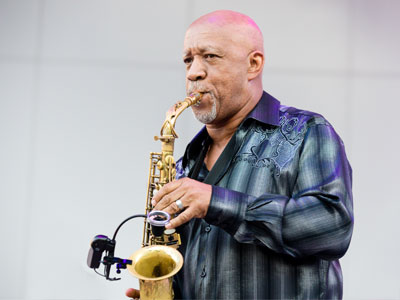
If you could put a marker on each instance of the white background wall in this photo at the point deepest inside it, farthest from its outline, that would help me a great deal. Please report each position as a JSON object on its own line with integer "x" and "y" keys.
{"x": 83, "y": 89}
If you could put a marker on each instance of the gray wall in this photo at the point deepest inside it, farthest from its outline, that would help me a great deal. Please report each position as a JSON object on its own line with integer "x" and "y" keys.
{"x": 83, "y": 89}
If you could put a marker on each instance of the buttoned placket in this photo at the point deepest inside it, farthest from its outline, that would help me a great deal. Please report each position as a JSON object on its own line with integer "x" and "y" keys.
{"x": 203, "y": 268}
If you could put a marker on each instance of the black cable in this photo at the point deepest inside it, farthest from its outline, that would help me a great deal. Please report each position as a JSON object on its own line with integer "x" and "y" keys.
{"x": 99, "y": 273}
{"x": 126, "y": 220}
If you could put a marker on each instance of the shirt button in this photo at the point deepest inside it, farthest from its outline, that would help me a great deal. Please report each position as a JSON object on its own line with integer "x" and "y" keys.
{"x": 208, "y": 229}
{"x": 203, "y": 274}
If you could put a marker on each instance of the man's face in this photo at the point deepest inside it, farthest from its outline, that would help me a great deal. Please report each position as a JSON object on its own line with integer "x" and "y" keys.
{"x": 216, "y": 65}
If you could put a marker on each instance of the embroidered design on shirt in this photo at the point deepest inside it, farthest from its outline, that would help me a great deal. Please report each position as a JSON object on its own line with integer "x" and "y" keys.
{"x": 273, "y": 148}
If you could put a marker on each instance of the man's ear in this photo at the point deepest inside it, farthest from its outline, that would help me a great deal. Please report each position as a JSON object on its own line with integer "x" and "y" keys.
{"x": 256, "y": 64}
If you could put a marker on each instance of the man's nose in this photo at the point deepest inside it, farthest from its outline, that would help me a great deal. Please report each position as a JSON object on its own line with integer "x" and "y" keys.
{"x": 196, "y": 71}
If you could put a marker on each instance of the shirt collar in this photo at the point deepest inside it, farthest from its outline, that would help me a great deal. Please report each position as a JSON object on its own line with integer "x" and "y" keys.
{"x": 266, "y": 110}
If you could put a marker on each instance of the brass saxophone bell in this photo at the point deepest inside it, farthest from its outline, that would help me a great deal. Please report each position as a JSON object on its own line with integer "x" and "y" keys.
{"x": 155, "y": 267}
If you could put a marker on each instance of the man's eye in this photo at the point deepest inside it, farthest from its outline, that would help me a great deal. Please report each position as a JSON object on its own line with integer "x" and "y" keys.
{"x": 210, "y": 55}
{"x": 187, "y": 60}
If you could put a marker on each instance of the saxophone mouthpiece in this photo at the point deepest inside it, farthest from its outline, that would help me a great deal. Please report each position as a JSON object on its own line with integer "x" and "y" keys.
{"x": 195, "y": 98}
{"x": 195, "y": 94}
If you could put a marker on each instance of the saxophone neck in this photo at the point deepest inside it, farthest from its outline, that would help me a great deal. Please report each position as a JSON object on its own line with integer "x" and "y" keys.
{"x": 168, "y": 128}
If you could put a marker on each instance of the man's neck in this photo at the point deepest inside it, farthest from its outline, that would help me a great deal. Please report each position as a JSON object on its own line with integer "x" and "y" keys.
{"x": 221, "y": 133}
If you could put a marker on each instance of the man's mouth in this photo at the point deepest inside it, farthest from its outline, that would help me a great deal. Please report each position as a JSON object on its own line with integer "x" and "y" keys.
{"x": 192, "y": 91}
{"x": 196, "y": 91}
{"x": 203, "y": 94}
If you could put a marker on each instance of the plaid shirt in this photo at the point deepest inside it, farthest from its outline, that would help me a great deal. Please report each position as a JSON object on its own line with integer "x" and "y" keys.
{"x": 280, "y": 214}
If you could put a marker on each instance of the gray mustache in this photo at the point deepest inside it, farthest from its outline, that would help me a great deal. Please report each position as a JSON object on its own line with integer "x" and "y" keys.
{"x": 196, "y": 88}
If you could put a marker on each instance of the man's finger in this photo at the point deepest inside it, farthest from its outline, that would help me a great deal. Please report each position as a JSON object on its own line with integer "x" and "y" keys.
{"x": 132, "y": 293}
{"x": 173, "y": 207}
{"x": 169, "y": 199}
{"x": 184, "y": 217}
{"x": 165, "y": 190}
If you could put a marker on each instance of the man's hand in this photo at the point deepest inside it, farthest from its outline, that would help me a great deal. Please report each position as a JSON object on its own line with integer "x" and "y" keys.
{"x": 132, "y": 293}
{"x": 195, "y": 197}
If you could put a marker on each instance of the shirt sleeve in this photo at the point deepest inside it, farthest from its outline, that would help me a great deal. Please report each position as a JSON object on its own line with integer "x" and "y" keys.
{"x": 316, "y": 220}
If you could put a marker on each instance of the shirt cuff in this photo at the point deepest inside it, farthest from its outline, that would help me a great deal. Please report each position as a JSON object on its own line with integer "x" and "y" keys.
{"x": 227, "y": 209}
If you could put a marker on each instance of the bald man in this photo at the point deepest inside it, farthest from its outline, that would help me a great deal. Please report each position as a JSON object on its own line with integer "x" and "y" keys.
{"x": 265, "y": 188}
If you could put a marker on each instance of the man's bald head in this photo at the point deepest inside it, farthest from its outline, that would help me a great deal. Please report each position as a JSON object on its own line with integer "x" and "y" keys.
{"x": 224, "y": 57}
{"x": 243, "y": 28}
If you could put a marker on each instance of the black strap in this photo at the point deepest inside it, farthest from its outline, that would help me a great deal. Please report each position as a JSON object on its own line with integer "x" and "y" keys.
{"x": 194, "y": 172}
{"x": 222, "y": 164}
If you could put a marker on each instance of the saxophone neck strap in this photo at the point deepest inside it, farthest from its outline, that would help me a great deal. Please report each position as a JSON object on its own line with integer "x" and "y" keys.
{"x": 194, "y": 172}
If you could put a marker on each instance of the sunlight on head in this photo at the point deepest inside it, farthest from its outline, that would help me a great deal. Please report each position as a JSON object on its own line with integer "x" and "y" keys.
{"x": 243, "y": 28}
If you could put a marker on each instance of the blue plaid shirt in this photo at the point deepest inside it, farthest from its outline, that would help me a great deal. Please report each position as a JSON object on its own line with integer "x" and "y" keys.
{"x": 280, "y": 215}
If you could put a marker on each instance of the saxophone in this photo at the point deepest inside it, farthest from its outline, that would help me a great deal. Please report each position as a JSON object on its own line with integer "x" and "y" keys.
{"x": 158, "y": 261}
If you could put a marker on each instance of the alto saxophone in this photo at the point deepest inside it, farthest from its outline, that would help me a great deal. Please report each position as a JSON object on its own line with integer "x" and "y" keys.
{"x": 158, "y": 260}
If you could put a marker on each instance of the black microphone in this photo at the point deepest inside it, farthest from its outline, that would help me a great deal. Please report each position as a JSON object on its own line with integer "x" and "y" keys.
{"x": 99, "y": 244}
